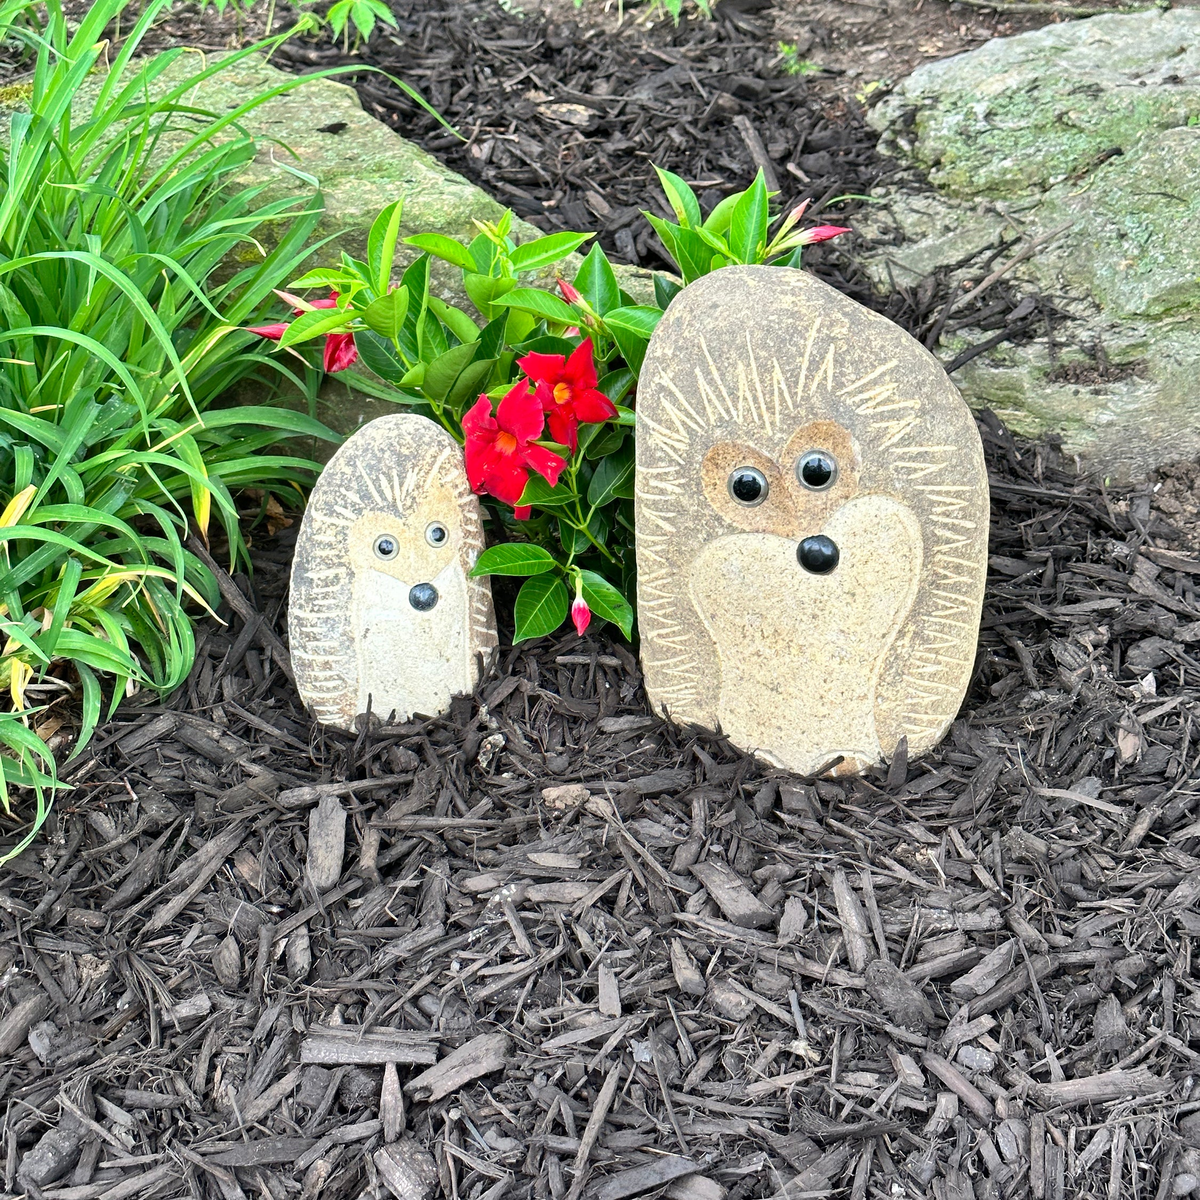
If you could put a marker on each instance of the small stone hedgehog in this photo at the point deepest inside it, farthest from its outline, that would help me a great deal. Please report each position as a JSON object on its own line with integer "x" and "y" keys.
{"x": 383, "y": 610}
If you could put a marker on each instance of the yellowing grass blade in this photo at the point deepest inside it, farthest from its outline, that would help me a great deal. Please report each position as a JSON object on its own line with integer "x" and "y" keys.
{"x": 15, "y": 509}
{"x": 19, "y": 674}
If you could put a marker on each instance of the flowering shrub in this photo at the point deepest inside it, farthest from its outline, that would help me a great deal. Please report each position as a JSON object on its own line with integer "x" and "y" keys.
{"x": 539, "y": 386}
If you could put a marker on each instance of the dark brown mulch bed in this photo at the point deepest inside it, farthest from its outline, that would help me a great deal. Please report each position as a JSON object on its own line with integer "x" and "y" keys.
{"x": 636, "y": 957}
{"x": 563, "y": 121}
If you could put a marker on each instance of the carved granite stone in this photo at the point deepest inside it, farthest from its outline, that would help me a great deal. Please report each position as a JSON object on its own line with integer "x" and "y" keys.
{"x": 383, "y": 610}
{"x": 812, "y": 519}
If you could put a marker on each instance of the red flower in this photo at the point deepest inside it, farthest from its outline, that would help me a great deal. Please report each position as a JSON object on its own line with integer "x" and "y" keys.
{"x": 566, "y": 389}
{"x": 500, "y": 449}
{"x": 340, "y": 350}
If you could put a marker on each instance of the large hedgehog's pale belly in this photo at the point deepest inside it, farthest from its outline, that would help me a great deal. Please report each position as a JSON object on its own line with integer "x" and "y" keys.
{"x": 800, "y": 655}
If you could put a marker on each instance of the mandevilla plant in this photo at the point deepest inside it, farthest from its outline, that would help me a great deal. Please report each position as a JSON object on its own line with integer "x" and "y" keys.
{"x": 538, "y": 386}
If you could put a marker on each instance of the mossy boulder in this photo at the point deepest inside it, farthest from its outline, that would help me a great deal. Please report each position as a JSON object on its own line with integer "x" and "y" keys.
{"x": 1027, "y": 112}
{"x": 1083, "y": 138}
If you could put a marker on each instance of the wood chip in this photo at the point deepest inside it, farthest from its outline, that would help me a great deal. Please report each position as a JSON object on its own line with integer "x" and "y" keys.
{"x": 326, "y": 843}
{"x": 347, "y": 1044}
{"x": 739, "y": 904}
{"x": 480, "y": 1056}
{"x": 641, "y": 1179}
{"x": 407, "y": 1169}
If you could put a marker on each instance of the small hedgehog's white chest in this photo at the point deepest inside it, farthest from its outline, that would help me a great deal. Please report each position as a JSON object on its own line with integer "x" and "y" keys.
{"x": 409, "y": 660}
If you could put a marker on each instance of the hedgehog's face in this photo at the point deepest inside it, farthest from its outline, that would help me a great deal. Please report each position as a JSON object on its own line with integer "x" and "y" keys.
{"x": 792, "y": 496}
{"x": 412, "y": 550}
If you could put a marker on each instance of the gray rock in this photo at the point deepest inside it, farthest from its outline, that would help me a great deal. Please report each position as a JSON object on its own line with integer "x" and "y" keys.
{"x": 1077, "y": 136}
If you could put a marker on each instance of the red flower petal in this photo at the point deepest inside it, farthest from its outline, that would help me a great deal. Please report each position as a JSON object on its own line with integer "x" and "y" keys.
{"x": 544, "y": 462}
{"x": 822, "y": 233}
{"x": 479, "y": 417}
{"x": 520, "y": 414}
{"x": 564, "y": 426}
{"x": 580, "y": 370}
{"x": 570, "y": 293}
{"x": 340, "y": 351}
{"x": 330, "y": 302}
{"x": 522, "y": 511}
{"x": 543, "y": 368}
{"x": 506, "y": 479}
{"x": 581, "y": 615}
{"x": 594, "y": 406}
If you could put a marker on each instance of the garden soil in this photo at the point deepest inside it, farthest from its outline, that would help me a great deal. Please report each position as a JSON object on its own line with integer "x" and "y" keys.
{"x": 547, "y": 946}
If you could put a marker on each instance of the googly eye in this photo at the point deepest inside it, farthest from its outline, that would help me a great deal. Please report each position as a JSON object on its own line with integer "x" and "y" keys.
{"x": 386, "y": 547}
{"x": 816, "y": 469}
{"x": 436, "y": 534}
{"x": 748, "y": 486}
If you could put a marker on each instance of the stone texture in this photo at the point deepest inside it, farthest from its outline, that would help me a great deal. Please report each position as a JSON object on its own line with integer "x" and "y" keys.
{"x": 390, "y": 518}
{"x": 1086, "y": 125}
{"x": 1023, "y": 113}
{"x": 752, "y": 367}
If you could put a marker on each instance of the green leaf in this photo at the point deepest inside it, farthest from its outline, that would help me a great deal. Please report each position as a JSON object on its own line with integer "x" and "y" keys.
{"x": 339, "y": 281}
{"x": 455, "y": 320}
{"x": 681, "y": 198}
{"x": 380, "y": 355}
{"x": 484, "y": 290}
{"x": 541, "y": 607}
{"x": 470, "y": 383}
{"x": 640, "y": 319}
{"x": 538, "y": 492}
{"x": 491, "y": 340}
{"x": 718, "y": 220}
{"x": 749, "y": 222}
{"x": 441, "y": 373}
{"x": 617, "y": 383}
{"x": 597, "y": 282}
{"x": 613, "y": 478}
{"x": 606, "y": 601}
{"x": 631, "y": 328}
{"x": 442, "y": 247}
{"x": 386, "y": 315}
{"x": 311, "y": 325}
{"x": 541, "y": 304}
{"x": 607, "y": 442}
{"x": 544, "y": 251}
{"x": 514, "y": 558}
{"x": 686, "y": 246}
{"x": 665, "y": 290}
{"x": 381, "y": 245}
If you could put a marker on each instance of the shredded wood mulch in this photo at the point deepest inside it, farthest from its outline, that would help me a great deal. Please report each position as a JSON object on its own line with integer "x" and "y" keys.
{"x": 548, "y": 946}
{"x": 562, "y": 121}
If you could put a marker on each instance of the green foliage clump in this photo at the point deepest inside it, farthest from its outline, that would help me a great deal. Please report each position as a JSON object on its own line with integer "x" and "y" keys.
{"x": 119, "y": 330}
{"x": 560, "y": 365}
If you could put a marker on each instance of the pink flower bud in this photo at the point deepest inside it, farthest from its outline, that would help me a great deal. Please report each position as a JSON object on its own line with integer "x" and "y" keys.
{"x": 581, "y": 615}
{"x": 570, "y": 293}
{"x": 274, "y": 332}
{"x": 821, "y": 233}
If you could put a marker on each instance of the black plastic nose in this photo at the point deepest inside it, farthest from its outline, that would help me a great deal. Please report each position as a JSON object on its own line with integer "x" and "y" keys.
{"x": 423, "y": 596}
{"x": 818, "y": 554}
